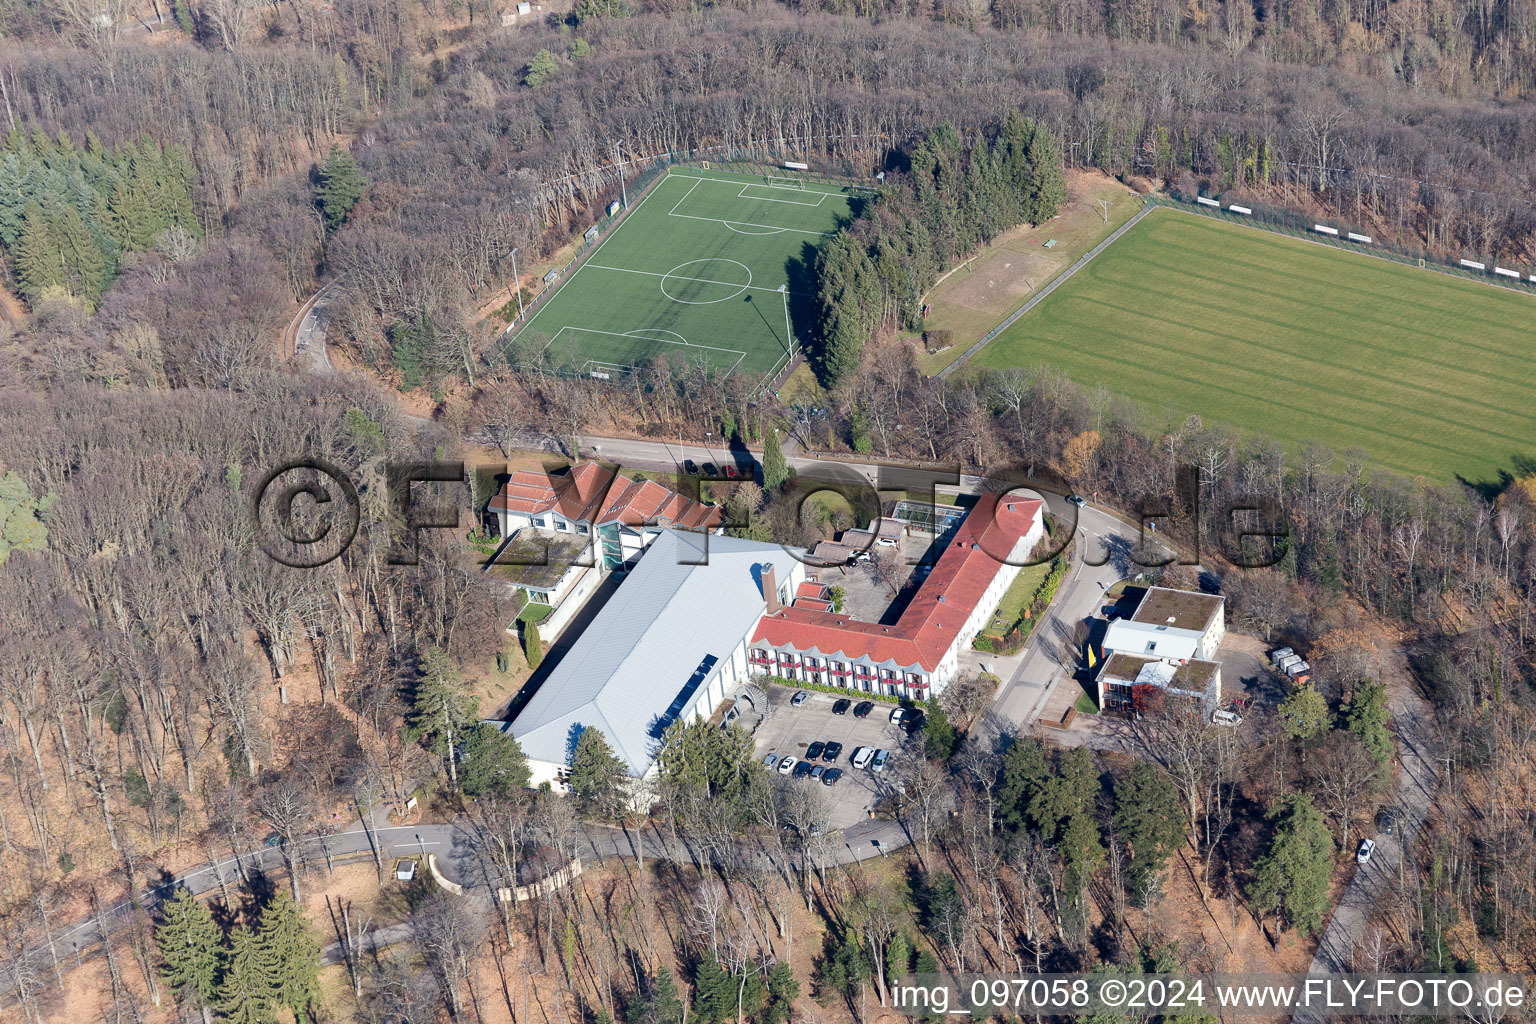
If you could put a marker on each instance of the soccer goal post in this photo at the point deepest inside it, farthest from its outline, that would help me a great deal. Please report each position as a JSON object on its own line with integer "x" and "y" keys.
{"x": 779, "y": 181}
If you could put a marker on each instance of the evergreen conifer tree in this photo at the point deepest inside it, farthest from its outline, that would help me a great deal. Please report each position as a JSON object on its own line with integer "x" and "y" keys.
{"x": 775, "y": 469}
{"x": 245, "y": 993}
{"x": 341, "y": 184}
{"x": 190, "y": 949}
{"x": 289, "y": 956}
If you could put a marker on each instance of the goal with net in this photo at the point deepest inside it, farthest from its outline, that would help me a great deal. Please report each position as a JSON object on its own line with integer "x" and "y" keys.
{"x": 781, "y": 182}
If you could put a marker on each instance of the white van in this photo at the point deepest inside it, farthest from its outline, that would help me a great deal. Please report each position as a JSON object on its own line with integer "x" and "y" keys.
{"x": 862, "y": 756}
{"x": 1227, "y": 718}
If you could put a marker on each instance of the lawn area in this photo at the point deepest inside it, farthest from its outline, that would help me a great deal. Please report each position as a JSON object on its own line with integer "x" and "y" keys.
{"x": 1018, "y": 596}
{"x": 1427, "y": 373}
{"x": 710, "y": 266}
{"x": 980, "y": 295}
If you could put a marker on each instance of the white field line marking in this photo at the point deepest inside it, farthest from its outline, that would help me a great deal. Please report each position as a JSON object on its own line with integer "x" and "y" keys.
{"x": 812, "y": 191}
{"x": 731, "y": 225}
{"x": 747, "y": 223}
{"x": 680, "y": 201}
{"x": 606, "y": 239}
{"x": 680, "y": 277}
{"x": 820, "y": 196}
{"x": 633, "y": 336}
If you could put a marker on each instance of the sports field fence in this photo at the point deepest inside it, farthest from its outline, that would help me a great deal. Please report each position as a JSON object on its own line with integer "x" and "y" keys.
{"x": 1340, "y": 235}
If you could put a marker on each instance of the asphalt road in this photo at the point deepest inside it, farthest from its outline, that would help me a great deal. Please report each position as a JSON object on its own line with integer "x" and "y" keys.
{"x": 456, "y": 859}
{"x": 1416, "y": 784}
{"x": 1049, "y": 659}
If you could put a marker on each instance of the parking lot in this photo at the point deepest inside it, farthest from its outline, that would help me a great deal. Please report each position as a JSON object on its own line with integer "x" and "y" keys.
{"x": 790, "y": 730}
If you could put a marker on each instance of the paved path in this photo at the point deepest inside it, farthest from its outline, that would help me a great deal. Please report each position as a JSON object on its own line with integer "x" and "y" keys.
{"x": 1042, "y": 293}
{"x": 456, "y": 859}
{"x": 1416, "y": 786}
{"x": 305, "y": 336}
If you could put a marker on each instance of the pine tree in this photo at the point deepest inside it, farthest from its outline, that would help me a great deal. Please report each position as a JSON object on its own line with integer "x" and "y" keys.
{"x": 39, "y": 260}
{"x": 88, "y": 269}
{"x": 1365, "y": 714}
{"x": 130, "y": 219}
{"x": 848, "y": 303}
{"x": 939, "y": 736}
{"x": 289, "y": 956}
{"x": 245, "y": 994}
{"x": 540, "y": 68}
{"x": 665, "y": 1006}
{"x": 1047, "y": 189}
{"x": 341, "y": 183}
{"x": 598, "y": 777}
{"x": 1026, "y": 771}
{"x": 783, "y": 990}
{"x": 1151, "y": 821}
{"x": 533, "y": 644}
{"x": 775, "y": 469}
{"x": 898, "y": 955}
{"x": 493, "y": 762}
{"x": 440, "y": 711}
{"x": 1304, "y": 714}
{"x": 1291, "y": 877}
{"x": 189, "y": 948}
{"x": 714, "y": 993}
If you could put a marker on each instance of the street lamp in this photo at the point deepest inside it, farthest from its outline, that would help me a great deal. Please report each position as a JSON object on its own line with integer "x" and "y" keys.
{"x": 517, "y": 284}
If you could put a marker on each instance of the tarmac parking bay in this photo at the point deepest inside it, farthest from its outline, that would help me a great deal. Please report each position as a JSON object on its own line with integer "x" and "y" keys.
{"x": 790, "y": 730}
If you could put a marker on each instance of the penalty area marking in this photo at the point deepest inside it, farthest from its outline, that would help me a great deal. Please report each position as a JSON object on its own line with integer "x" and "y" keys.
{"x": 820, "y": 196}
{"x": 641, "y": 334}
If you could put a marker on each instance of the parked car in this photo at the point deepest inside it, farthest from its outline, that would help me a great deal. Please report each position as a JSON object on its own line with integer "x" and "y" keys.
{"x": 913, "y": 721}
{"x": 690, "y": 467}
{"x": 897, "y": 714}
{"x": 1227, "y": 718}
{"x": 878, "y": 764}
{"x": 833, "y": 751}
{"x": 1363, "y": 855}
{"x": 862, "y": 756}
{"x": 802, "y": 769}
{"x": 710, "y": 470}
{"x": 830, "y": 777}
{"x": 842, "y": 706}
{"x": 731, "y": 471}
{"x": 813, "y": 751}
{"x": 817, "y": 771}
{"x": 771, "y": 760}
{"x": 863, "y": 709}
{"x": 799, "y": 698}
{"x": 788, "y": 764}
{"x": 1077, "y": 499}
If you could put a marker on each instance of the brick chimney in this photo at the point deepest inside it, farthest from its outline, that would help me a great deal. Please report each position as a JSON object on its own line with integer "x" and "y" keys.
{"x": 770, "y": 580}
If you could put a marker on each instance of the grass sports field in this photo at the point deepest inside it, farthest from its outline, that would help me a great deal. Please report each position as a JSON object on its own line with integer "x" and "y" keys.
{"x": 1428, "y": 374}
{"x": 709, "y": 266}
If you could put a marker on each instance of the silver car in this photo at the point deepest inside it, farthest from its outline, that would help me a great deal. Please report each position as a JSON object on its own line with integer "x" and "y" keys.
{"x": 878, "y": 764}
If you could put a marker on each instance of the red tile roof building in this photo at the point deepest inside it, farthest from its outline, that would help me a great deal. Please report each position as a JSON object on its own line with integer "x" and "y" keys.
{"x": 592, "y": 498}
{"x": 919, "y": 653}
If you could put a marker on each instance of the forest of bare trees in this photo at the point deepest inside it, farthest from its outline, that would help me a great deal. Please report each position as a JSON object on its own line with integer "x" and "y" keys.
{"x": 165, "y": 684}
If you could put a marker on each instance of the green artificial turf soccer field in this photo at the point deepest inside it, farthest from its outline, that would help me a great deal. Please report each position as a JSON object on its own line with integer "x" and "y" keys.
{"x": 709, "y": 266}
{"x": 1429, "y": 374}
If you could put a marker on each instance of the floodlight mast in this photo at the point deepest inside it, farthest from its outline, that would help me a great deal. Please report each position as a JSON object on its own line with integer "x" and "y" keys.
{"x": 618, "y": 162}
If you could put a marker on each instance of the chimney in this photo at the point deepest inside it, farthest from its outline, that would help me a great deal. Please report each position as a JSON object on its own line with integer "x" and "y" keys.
{"x": 770, "y": 580}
